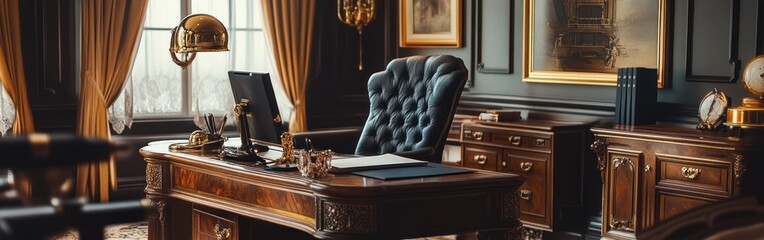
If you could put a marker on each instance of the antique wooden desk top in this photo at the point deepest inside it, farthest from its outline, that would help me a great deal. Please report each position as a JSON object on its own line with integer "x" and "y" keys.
{"x": 339, "y": 206}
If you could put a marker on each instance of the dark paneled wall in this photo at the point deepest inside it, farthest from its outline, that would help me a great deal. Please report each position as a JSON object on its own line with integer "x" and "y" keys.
{"x": 48, "y": 35}
{"x": 336, "y": 94}
{"x": 715, "y": 45}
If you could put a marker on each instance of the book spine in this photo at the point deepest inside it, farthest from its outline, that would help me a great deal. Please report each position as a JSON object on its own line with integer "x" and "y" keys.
{"x": 629, "y": 96}
{"x": 647, "y": 81}
{"x": 618, "y": 94}
{"x": 635, "y": 116}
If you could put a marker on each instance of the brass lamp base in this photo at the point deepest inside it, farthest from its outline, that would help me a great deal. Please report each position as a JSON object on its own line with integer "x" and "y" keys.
{"x": 750, "y": 114}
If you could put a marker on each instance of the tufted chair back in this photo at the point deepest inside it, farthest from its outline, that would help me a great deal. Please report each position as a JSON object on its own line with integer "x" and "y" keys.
{"x": 413, "y": 103}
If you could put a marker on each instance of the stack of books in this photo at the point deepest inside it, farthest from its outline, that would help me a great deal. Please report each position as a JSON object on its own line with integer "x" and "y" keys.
{"x": 635, "y": 98}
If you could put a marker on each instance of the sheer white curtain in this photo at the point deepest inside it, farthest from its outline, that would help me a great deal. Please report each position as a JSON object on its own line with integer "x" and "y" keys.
{"x": 158, "y": 88}
{"x": 7, "y": 112}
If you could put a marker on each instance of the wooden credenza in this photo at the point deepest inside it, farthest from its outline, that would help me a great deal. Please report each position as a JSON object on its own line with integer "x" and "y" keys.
{"x": 653, "y": 172}
{"x": 548, "y": 153}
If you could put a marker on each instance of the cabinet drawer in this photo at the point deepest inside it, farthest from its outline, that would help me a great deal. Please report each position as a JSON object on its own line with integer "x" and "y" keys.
{"x": 711, "y": 176}
{"x": 480, "y": 157}
{"x": 672, "y": 204}
{"x": 472, "y": 134}
{"x": 521, "y": 140}
{"x": 533, "y": 193}
{"x": 212, "y": 225}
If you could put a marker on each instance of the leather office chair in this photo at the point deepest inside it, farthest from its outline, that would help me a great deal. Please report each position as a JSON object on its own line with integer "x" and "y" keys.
{"x": 413, "y": 102}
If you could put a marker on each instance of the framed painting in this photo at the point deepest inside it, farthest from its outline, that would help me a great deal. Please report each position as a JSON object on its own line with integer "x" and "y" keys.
{"x": 430, "y": 23}
{"x": 586, "y": 41}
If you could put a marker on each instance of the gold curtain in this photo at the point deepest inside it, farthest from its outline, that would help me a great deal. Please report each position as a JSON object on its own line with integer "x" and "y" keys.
{"x": 289, "y": 25}
{"x": 12, "y": 66}
{"x": 110, "y": 37}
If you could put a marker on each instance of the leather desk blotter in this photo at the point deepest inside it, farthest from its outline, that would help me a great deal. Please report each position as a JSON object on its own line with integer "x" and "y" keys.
{"x": 431, "y": 169}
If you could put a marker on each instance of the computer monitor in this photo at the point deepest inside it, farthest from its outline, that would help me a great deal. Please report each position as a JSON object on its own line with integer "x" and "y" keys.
{"x": 265, "y": 125}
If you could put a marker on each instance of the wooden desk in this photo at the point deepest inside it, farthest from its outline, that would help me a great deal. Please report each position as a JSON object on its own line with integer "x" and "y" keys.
{"x": 198, "y": 196}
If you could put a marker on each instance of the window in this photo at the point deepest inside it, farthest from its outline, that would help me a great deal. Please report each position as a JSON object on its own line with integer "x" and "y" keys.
{"x": 7, "y": 112}
{"x": 162, "y": 89}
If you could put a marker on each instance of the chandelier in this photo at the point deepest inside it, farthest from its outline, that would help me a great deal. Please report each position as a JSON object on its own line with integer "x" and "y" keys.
{"x": 358, "y": 14}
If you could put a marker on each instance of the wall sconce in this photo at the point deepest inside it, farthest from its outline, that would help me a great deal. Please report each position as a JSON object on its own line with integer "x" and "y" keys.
{"x": 197, "y": 33}
{"x": 358, "y": 14}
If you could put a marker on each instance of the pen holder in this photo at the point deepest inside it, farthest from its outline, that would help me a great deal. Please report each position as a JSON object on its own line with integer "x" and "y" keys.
{"x": 213, "y": 145}
{"x": 315, "y": 164}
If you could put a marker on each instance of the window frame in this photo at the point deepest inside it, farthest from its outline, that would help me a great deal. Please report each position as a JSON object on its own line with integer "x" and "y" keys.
{"x": 180, "y": 122}
{"x": 186, "y": 79}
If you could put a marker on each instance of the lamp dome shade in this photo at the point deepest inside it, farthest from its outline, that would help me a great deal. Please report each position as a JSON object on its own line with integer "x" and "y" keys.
{"x": 199, "y": 33}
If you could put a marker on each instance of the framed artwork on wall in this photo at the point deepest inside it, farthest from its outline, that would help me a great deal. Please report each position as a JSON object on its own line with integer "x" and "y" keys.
{"x": 430, "y": 23}
{"x": 586, "y": 41}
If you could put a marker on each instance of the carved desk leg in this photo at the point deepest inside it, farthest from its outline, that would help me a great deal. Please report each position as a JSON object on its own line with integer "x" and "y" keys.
{"x": 159, "y": 228}
{"x": 510, "y": 213}
{"x": 530, "y": 233}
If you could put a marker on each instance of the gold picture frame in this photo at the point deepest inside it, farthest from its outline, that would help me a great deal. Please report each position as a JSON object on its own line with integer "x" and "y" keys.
{"x": 430, "y": 23}
{"x": 585, "y": 41}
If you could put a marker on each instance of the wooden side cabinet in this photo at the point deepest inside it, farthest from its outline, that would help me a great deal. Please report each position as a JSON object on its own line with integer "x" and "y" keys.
{"x": 653, "y": 172}
{"x": 548, "y": 154}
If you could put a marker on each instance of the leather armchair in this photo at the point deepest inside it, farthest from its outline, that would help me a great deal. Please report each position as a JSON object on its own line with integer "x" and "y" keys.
{"x": 413, "y": 103}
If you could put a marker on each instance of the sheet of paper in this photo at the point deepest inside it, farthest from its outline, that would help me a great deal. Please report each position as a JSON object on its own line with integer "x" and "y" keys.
{"x": 373, "y": 162}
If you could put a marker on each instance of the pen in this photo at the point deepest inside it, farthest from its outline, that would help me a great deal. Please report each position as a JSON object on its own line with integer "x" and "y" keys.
{"x": 309, "y": 144}
{"x": 222, "y": 124}
{"x": 210, "y": 125}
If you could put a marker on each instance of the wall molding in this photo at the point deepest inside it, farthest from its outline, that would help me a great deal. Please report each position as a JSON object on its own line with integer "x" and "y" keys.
{"x": 734, "y": 35}
{"x": 477, "y": 22}
{"x": 564, "y": 109}
{"x": 760, "y": 28}
{"x": 480, "y": 102}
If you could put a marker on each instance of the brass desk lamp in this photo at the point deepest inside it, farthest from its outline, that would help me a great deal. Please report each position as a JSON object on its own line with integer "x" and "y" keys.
{"x": 197, "y": 33}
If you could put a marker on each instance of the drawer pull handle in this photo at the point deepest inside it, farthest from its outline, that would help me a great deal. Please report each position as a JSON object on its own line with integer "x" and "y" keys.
{"x": 648, "y": 167}
{"x": 503, "y": 163}
{"x": 540, "y": 142}
{"x": 222, "y": 233}
{"x": 526, "y": 166}
{"x": 477, "y": 135}
{"x": 525, "y": 194}
{"x": 691, "y": 173}
{"x": 515, "y": 140}
{"x": 480, "y": 159}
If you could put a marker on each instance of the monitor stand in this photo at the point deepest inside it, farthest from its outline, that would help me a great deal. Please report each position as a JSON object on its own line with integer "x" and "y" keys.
{"x": 248, "y": 150}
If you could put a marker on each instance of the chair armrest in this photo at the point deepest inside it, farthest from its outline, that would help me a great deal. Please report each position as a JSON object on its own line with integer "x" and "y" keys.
{"x": 341, "y": 140}
{"x": 424, "y": 154}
